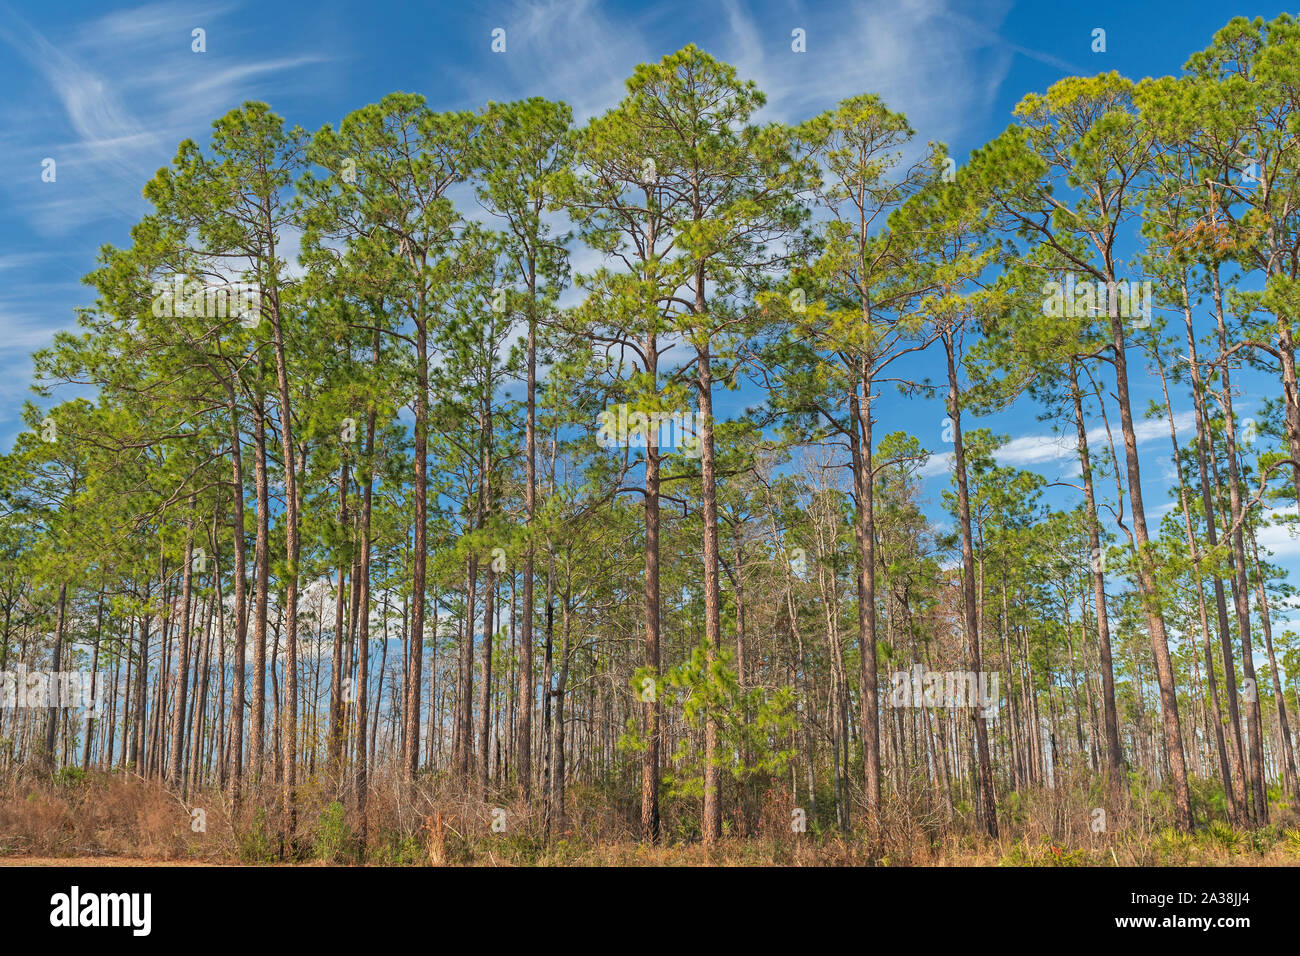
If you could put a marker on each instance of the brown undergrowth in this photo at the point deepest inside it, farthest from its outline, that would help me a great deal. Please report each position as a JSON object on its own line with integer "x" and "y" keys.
{"x": 119, "y": 815}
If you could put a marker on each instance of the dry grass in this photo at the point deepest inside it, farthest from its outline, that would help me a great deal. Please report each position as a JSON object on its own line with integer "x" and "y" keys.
{"x": 109, "y": 815}
{"x": 117, "y": 817}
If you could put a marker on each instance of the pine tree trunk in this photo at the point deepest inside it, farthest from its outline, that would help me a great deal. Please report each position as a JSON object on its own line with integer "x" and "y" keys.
{"x": 411, "y": 737}
{"x": 970, "y": 616}
{"x": 261, "y": 559}
{"x": 335, "y": 740}
{"x": 650, "y": 702}
{"x": 860, "y": 443}
{"x": 1235, "y": 785}
{"x": 1196, "y": 556}
{"x": 1289, "y": 781}
{"x": 527, "y": 691}
{"x": 1150, "y": 593}
{"x": 712, "y": 596}
{"x": 177, "y": 755}
{"x": 1114, "y": 754}
{"x": 1241, "y": 589}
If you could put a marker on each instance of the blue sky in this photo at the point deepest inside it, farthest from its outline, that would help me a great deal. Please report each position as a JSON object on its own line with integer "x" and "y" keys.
{"x": 108, "y": 90}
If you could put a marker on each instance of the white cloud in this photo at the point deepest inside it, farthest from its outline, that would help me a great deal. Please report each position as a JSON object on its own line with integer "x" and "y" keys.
{"x": 939, "y": 463}
{"x": 1029, "y": 450}
{"x": 1281, "y": 540}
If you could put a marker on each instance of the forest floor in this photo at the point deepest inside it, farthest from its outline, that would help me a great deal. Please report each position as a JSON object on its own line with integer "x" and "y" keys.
{"x": 83, "y": 861}
{"x": 681, "y": 856}
{"x": 117, "y": 820}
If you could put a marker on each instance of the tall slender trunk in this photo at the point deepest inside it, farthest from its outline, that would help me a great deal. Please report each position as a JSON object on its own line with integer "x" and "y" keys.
{"x": 261, "y": 571}
{"x": 860, "y": 443}
{"x": 1149, "y": 589}
{"x": 235, "y": 774}
{"x": 489, "y": 608}
{"x": 141, "y": 688}
{"x": 361, "y": 687}
{"x": 335, "y": 741}
{"x": 1235, "y": 787}
{"x": 712, "y": 598}
{"x": 1195, "y": 552}
{"x": 1290, "y": 395}
{"x": 1241, "y": 591}
{"x": 969, "y": 615}
{"x": 94, "y": 674}
{"x": 650, "y": 702}
{"x": 177, "y": 756}
{"x": 557, "y": 732}
{"x": 54, "y": 710}
{"x": 292, "y": 549}
{"x": 1114, "y": 754}
{"x": 217, "y": 611}
{"x": 465, "y": 719}
{"x": 548, "y": 692}
{"x": 411, "y": 738}
{"x": 527, "y": 691}
{"x": 1289, "y": 781}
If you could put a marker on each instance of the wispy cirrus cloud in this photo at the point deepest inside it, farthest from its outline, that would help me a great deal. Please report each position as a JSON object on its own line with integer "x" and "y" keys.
{"x": 903, "y": 50}
{"x": 109, "y": 100}
{"x": 906, "y": 51}
{"x": 571, "y": 50}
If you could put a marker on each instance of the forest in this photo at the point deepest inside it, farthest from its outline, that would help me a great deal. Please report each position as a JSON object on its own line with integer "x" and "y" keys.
{"x": 452, "y": 487}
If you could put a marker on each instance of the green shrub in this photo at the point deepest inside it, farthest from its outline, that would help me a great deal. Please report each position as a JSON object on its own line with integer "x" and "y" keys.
{"x": 1173, "y": 847}
{"x": 255, "y": 845}
{"x": 334, "y": 842}
{"x": 1222, "y": 836}
{"x": 70, "y": 777}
